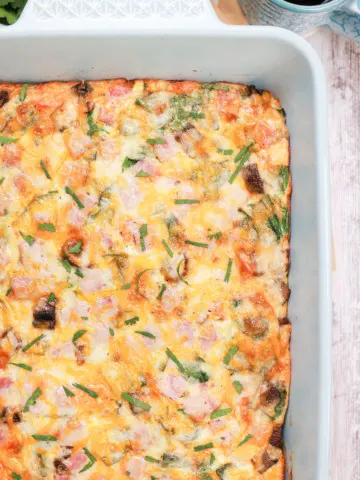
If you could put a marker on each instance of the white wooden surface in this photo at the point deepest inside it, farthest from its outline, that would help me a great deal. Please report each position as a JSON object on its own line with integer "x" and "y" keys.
{"x": 341, "y": 58}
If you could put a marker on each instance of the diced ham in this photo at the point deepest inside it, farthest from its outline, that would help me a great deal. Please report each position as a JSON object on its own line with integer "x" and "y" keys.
{"x": 130, "y": 232}
{"x": 199, "y": 404}
{"x": 76, "y": 217}
{"x": 106, "y": 240}
{"x": 208, "y": 339}
{"x": 265, "y": 135}
{"x": 34, "y": 254}
{"x": 110, "y": 149}
{"x": 166, "y": 150}
{"x": 172, "y": 386}
{"x": 185, "y": 331}
{"x": 136, "y": 467}
{"x": 76, "y": 173}
{"x": 229, "y": 104}
{"x": 93, "y": 280}
{"x": 5, "y": 382}
{"x": 12, "y": 155}
{"x": 22, "y": 287}
{"x": 107, "y": 114}
{"x": 4, "y": 258}
{"x": 120, "y": 89}
{"x": 76, "y": 461}
{"x": 147, "y": 165}
{"x": 78, "y": 143}
{"x": 22, "y": 183}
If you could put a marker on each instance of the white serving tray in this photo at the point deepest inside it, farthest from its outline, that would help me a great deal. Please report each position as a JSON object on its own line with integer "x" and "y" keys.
{"x": 183, "y": 39}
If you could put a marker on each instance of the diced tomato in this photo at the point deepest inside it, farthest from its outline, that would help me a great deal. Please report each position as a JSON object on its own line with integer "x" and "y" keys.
{"x": 265, "y": 135}
{"x": 12, "y": 154}
{"x": 4, "y": 359}
{"x": 246, "y": 264}
{"x": 229, "y": 104}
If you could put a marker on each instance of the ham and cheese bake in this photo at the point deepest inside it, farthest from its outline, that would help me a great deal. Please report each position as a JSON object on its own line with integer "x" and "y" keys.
{"x": 144, "y": 254}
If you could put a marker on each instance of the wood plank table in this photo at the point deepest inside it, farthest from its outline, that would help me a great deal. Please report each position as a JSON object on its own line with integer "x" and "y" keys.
{"x": 341, "y": 59}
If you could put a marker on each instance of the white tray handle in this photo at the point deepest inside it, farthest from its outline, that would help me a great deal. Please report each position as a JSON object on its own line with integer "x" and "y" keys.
{"x": 92, "y": 15}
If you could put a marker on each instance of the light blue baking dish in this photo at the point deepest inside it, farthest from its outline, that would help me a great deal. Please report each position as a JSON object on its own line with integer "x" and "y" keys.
{"x": 55, "y": 42}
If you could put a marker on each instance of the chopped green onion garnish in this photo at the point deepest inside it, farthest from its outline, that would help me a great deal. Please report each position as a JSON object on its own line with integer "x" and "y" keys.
{"x": 32, "y": 399}
{"x": 215, "y": 236}
{"x": 238, "y": 387}
{"x": 284, "y": 178}
{"x": 86, "y": 390}
{"x": 126, "y": 286}
{"x": 243, "y": 152}
{"x": 23, "y": 92}
{"x": 186, "y": 201}
{"x": 74, "y": 197}
{"x": 242, "y": 157}
{"x": 151, "y": 459}
{"x": 29, "y": 345}
{"x": 93, "y": 128}
{"x": 178, "y": 272}
{"x": 225, "y": 152}
{"x": 138, "y": 403}
{"x": 132, "y": 321}
{"x": 28, "y": 239}
{"x": 43, "y": 166}
{"x": 197, "y": 115}
{"x": 111, "y": 331}
{"x": 2, "y": 180}
{"x": 15, "y": 476}
{"x": 231, "y": 352}
{"x": 275, "y": 225}
{"x": 212, "y": 459}
{"x": 78, "y": 334}
{"x": 143, "y": 232}
{"x": 44, "y": 438}
{"x": 162, "y": 290}
{"x": 91, "y": 458}
{"x": 200, "y": 448}
{"x": 228, "y": 270}
{"x": 78, "y": 272}
{"x": 170, "y": 354}
{"x": 68, "y": 392}
{"x": 51, "y": 297}
{"x": 66, "y": 264}
{"x": 285, "y": 220}
{"x": 167, "y": 248}
{"x": 7, "y": 140}
{"x": 128, "y": 162}
{"x": 142, "y": 174}
{"x": 247, "y": 438}
{"x": 197, "y": 244}
{"x": 48, "y": 227}
{"x": 8, "y": 291}
{"x": 76, "y": 248}
{"x": 156, "y": 141}
{"x": 21, "y": 365}
{"x": 145, "y": 334}
{"x": 220, "y": 413}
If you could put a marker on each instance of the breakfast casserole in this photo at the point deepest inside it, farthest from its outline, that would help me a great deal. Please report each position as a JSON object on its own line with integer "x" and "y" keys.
{"x": 144, "y": 255}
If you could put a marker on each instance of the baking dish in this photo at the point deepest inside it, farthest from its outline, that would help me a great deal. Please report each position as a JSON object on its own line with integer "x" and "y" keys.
{"x": 55, "y": 41}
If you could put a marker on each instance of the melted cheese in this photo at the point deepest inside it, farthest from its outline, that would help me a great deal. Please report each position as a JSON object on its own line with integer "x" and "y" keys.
{"x": 134, "y": 291}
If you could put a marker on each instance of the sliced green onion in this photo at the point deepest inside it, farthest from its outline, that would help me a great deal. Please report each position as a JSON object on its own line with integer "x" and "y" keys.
{"x": 143, "y": 232}
{"x": 246, "y": 439}
{"x": 275, "y": 225}
{"x": 197, "y": 244}
{"x": 215, "y": 236}
{"x": 68, "y": 392}
{"x": 90, "y": 463}
{"x": 220, "y": 413}
{"x": 238, "y": 387}
{"x": 132, "y": 321}
{"x": 156, "y": 141}
{"x": 135, "y": 401}
{"x": 225, "y": 152}
{"x": 2, "y": 180}
{"x": 285, "y": 220}
{"x": 78, "y": 272}
{"x": 126, "y": 286}
{"x": 21, "y": 365}
{"x": 29, "y": 345}
{"x": 43, "y": 166}
{"x": 32, "y": 399}
{"x": 91, "y": 393}
{"x": 66, "y": 264}
{"x": 145, "y": 334}
{"x": 128, "y": 162}
{"x": 167, "y": 248}
{"x": 29, "y": 239}
{"x": 151, "y": 459}
{"x": 200, "y": 448}
{"x": 177, "y": 362}
{"x": 186, "y": 201}
{"x": 93, "y": 128}
{"x": 15, "y": 476}
{"x": 76, "y": 248}
{"x": 228, "y": 270}
{"x": 51, "y": 297}
{"x": 243, "y": 152}
{"x": 78, "y": 334}
{"x": 231, "y": 352}
{"x": 48, "y": 227}
{"x": 111, "y": 331}
{"x": 44, "y": 438}
{"x": 142, "y": 174}
{"x": 7, "y": 140}
{"x": 74, "y": 197}
{"x": 8, "y": 291}
{"x": 179, "y": 274}
{"x": 212, "y": 459}
{"x": 284, "y": 178}
{"x": 161, "y": 293}
{"x": 22, "y": 95}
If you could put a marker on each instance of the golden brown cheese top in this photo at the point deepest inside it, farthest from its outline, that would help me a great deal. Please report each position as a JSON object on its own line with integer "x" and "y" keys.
{"x": 144, "y": 252}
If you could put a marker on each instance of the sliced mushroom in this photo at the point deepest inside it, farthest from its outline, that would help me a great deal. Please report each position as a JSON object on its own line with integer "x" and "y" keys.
{"x": 60, "y": 466}
{"x": 220, "y": 472}
{"x": 267, "y": 462}
{"x": 252, "y": 178}
{"x": 44, "y": 315}
{"x": 285, "y": 292}
{"x": 79, "y": 353}
{"x": 82, "y": 89}
{"x": 169, "y": 460}
{"x": 276, "y": 437}
{"x": 271, "y": 396}
{"x": 252, "y": 89}
{"x": 284, "y": 321}
{"x": 4, "y": 97}
{"x": 255, "y": 327}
